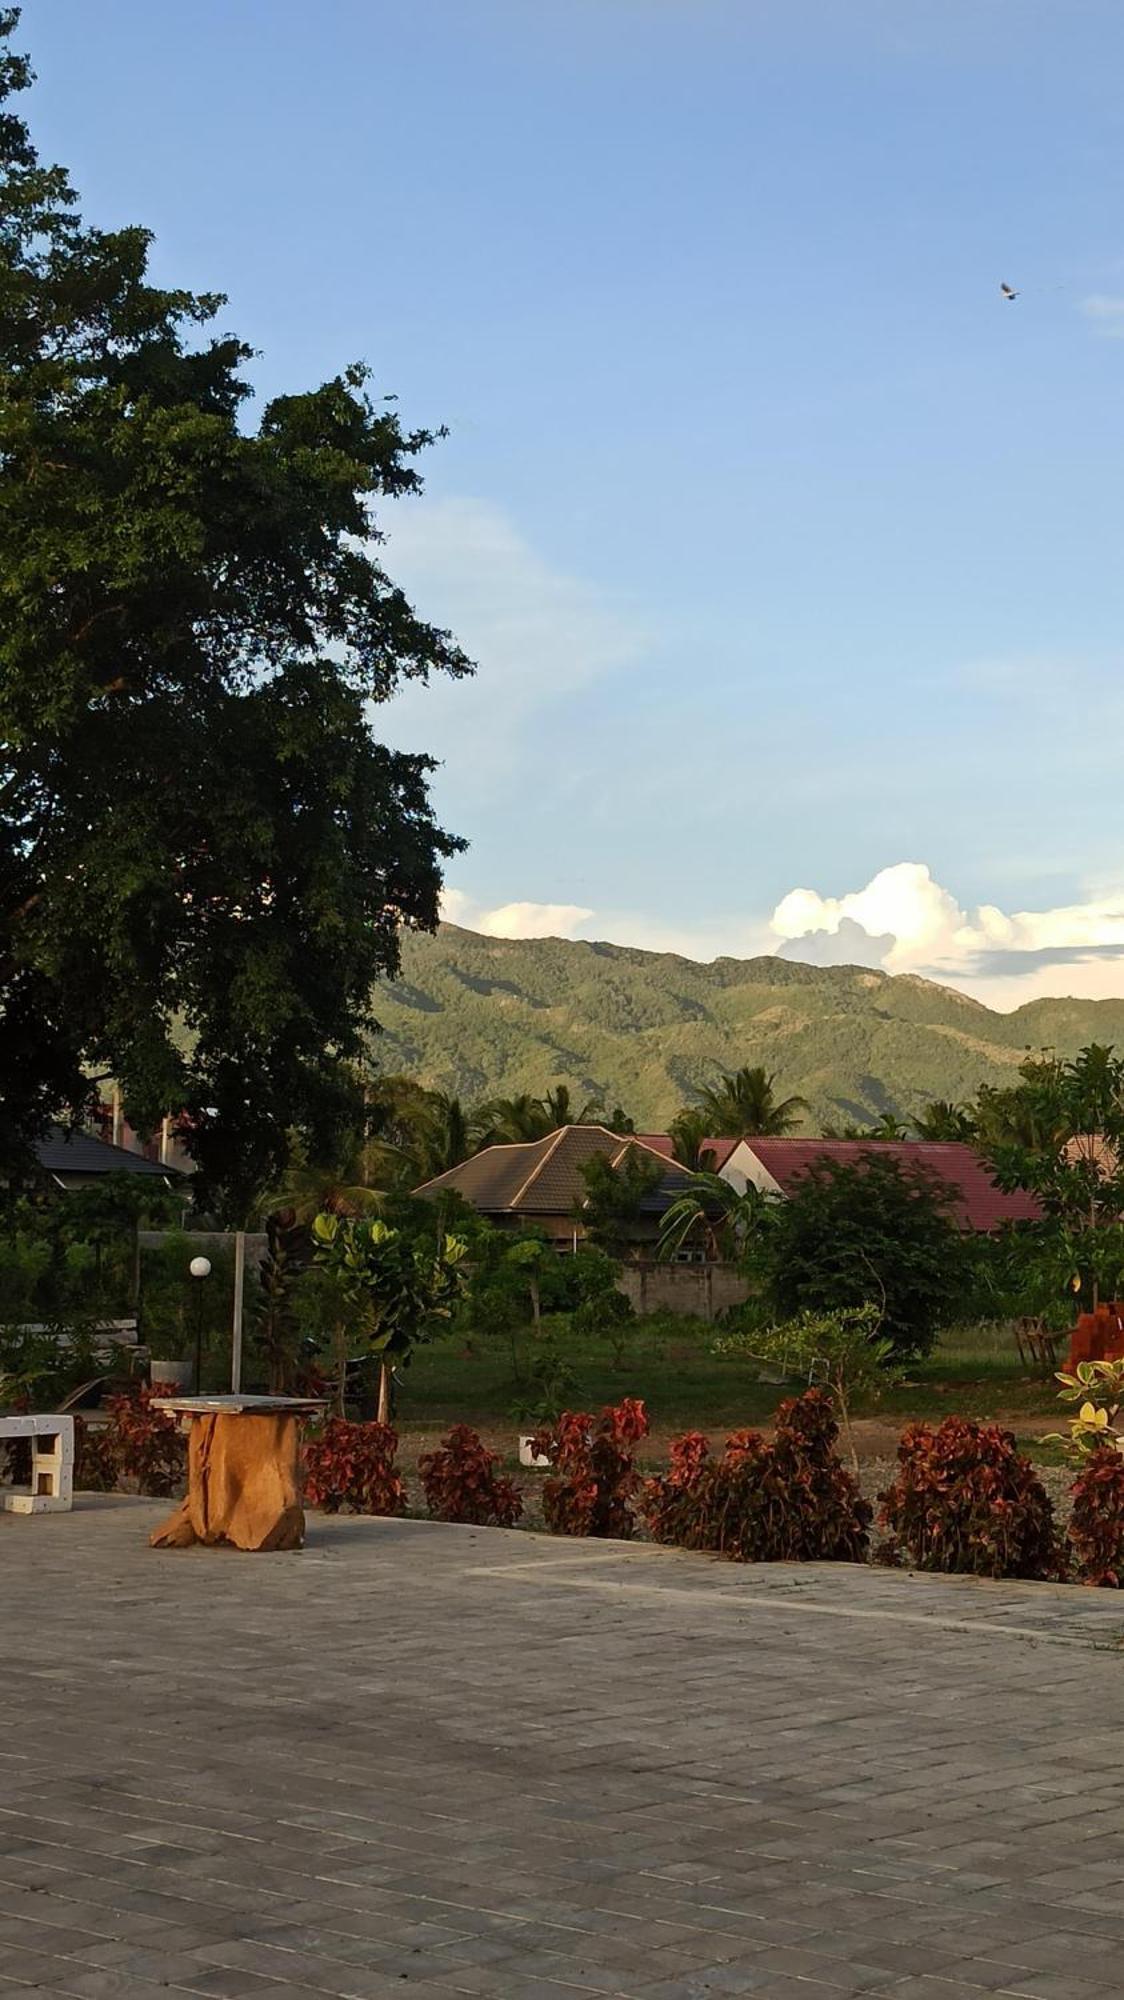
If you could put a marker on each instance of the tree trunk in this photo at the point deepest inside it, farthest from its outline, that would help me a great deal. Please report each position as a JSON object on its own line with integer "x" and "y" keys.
{"x": 341, "y": 1371}
{"x": 384, "y": 1393}
{"x": 243, "y": 1485}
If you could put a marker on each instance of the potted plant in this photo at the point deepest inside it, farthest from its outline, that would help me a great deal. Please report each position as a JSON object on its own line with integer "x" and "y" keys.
{"x": 176, "y": 1375}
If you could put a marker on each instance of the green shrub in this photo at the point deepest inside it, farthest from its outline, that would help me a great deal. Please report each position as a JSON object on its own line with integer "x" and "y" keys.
{"x": 868, "y": 1231}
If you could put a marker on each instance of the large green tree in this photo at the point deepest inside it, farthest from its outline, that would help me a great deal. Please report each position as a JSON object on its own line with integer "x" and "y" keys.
{"x": 869, "y": 1232}
{"x": 1059, "y": 1133}
{"x": 206, "y": 857}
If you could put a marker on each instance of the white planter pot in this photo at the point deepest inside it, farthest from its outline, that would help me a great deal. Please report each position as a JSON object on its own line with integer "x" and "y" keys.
{"x": 528, "y": 1455}
{"x": 176, "y": 1374}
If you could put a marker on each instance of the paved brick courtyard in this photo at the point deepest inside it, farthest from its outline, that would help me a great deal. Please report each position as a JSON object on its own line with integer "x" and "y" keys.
{"x": 427, "y": 1760}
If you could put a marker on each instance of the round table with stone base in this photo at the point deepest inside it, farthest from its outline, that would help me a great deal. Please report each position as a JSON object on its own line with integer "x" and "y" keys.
{"x": 243, "y": 1471}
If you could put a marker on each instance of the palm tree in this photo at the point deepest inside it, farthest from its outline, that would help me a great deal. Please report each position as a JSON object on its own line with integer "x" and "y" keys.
{"x": 727, "y": 1217}
{"x": 514, "y": 1120}
{"x": 743, "y": 1106}
{"x": 943, "y": 1121}
{"x": 687, "y": 1132}
{"x": 309, "y": 1189}
{"x": 889, "y": 1126}
{"x": 442, "y": 1135}
{"x": 558, "y": 1108}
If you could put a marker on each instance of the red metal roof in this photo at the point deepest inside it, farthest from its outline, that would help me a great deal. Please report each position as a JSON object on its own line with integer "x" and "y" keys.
{"x": 979, "y": 1205}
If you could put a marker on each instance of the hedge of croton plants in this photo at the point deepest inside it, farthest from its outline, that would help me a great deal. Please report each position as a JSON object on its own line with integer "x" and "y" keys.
{"x": 963, "y": 1498}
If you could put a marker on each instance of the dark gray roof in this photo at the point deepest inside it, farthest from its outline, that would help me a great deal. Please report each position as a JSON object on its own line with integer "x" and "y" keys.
{"x": 63, "y": 1152}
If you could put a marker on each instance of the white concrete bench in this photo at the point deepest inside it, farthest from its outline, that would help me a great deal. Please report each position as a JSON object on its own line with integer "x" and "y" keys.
{"x": 52, "y": 1465}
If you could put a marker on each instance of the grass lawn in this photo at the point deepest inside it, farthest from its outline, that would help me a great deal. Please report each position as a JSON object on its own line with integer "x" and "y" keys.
{"x": 974, "y": 1371}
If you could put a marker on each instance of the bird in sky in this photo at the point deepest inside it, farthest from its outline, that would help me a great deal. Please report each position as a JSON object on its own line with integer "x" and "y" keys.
{"x": 1008, "y": 294}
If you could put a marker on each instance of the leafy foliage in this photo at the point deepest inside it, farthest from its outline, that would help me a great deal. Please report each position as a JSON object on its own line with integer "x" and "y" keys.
{"x": 788, "y": 1500}
{"x": 843, "y": 1349}
{"x": 594, "y": 1478}
{"x": 39, "y": 1365}
{"x": 95, "y": 1459}
{"x": 942, "y": 1120}
{"x": 744, "y": 1104}
{"x": 1096, "y": 1522}
{"x": 964, "y": 1499}
{"x": 870, "y": 1232}
{"x": 205, "y": 857}
{"x": 461, "y": 1482}
{"x": 1098, "y": 1386}
{"x": 145, "y": 1445}
{"x": 275, "y": 1326}
{"x": 1060, "y": 1134}
{"x": 551, "y": 1381}
{"x": 689, "y": 1132}
{"x": 394, "y": 1290}
{"x": 731, "y": 1222}
{"x": 615, "y": 1198}
{"x": 349, "y": 1468}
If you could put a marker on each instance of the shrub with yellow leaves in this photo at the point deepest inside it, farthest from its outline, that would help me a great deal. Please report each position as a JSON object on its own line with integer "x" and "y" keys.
{"x": 1096, "y": 1442}
{"x": 1099, "y": 1388}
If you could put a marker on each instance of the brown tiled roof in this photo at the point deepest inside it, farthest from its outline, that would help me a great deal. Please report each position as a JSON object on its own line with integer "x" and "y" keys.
{"x": 979, "y": 1204}
{"x": 543, "y": 1177}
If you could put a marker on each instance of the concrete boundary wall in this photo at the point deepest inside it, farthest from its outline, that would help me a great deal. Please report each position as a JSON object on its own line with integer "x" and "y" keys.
{"x": 702, "y": 1290}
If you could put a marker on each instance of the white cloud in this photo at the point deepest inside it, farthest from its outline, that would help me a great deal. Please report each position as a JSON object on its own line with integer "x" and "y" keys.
{"x": 513, "y": 920}
{"x": 1106, "y": 314}
{"x": 904, "y": 901}
{"x": 732, "y": 937}
{"x": 537, "y": 635}
{"x": 1002, "y": 956}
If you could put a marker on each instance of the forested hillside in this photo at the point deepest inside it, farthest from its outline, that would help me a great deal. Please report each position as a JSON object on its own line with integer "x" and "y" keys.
{"x": 492, "y": 1016}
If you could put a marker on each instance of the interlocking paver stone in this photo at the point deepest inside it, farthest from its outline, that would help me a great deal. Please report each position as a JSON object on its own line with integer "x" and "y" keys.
{"x": 427, "y": 1760}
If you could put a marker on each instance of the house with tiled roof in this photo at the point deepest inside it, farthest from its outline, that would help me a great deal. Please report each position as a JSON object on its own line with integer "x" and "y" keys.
{"x": 74, "y": 1159}
{"x": 776, "y": 1165}
{"x": 539, "y": 1183}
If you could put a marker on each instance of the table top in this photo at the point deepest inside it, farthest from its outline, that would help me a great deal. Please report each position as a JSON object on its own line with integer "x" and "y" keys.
{"x": 237, "y": 1406}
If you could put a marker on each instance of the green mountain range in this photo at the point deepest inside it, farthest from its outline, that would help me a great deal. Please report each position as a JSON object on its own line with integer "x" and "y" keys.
{"x": 485, "y": 1017}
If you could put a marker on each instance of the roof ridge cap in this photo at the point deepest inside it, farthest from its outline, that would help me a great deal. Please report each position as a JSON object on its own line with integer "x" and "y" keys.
{"x": 555, "y": 1142}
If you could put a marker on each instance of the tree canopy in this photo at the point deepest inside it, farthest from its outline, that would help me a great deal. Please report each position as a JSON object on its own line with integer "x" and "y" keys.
{"x": 869, "y": 1232}
{"x": 744, "y": 1105}
{"x": 206, "y": 857}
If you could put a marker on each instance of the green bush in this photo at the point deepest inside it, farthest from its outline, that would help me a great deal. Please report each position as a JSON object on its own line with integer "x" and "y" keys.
{"x": 870, "y": 1232}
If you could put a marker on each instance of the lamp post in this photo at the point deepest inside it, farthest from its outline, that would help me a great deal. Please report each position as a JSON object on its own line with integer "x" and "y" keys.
{"x": 199, "y": 1268}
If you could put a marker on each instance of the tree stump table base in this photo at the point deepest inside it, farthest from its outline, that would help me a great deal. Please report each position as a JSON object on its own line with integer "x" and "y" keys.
{"x": 243, "y": 1479}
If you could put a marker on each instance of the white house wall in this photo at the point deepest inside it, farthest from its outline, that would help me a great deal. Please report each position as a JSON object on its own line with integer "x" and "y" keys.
{"x": 743, "y": 1166}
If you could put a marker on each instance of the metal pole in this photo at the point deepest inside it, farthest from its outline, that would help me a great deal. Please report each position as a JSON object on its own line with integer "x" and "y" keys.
{"x": 198, "y": 1337}
{"x": 236, "y": 1337}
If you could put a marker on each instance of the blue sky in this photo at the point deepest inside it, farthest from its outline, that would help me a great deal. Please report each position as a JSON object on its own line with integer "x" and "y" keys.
{"x": 789, "y": 553}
